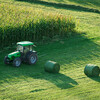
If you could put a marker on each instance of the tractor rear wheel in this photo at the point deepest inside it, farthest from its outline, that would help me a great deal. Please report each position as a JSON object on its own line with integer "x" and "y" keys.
{"x": 31, "y": 58}
{"x": 17, "y": 62}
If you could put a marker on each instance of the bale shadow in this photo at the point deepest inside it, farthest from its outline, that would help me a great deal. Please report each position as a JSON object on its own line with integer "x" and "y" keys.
{"x": 62, "y": 6}
{"x": 95, "y": 78}
{"x": 60, "y": 80}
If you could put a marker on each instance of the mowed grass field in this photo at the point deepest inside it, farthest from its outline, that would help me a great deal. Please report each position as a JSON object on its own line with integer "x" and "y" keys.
{"x": 31, "y": 82}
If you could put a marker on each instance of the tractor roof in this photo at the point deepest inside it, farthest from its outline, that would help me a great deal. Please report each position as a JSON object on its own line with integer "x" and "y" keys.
{"x": 25, "y": 43}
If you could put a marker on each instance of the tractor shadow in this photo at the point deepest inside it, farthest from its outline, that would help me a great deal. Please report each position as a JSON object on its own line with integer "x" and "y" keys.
{"x": 62, "y": 6}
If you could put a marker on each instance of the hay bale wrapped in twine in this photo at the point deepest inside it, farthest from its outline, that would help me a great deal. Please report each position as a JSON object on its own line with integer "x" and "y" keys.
{"x": 91, "y": 70}
{"x": 52, "y": 67}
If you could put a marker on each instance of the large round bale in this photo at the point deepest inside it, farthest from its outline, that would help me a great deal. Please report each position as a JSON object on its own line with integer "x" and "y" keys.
{"x": 52, "y": 67}
{"x": 91, "y": 70}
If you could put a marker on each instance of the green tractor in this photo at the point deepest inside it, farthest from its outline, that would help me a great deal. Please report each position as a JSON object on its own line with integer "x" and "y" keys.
{"x": 24, "y": 53}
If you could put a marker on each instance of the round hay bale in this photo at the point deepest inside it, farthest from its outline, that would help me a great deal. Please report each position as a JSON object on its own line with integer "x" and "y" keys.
{"x": 52, "y": 67}
{"x": 91, "y": 70}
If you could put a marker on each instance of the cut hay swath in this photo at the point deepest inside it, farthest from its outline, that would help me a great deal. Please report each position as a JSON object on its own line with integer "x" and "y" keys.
{"x": 91, "y": 70}
{"x": 52, "y": 67}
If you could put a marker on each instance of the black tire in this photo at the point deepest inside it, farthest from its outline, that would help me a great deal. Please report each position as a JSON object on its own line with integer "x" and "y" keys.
{"x": 6, "y": 60}
{"x": 32, "y": 58}
{"x": 17, "y": 62}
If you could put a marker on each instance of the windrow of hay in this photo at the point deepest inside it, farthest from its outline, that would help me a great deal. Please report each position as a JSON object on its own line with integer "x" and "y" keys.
{"x": 19, "y": 24}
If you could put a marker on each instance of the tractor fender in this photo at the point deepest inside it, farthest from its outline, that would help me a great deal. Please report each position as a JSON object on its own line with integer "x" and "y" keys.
{"x": 34, "y": 52}
{"x": 29, "y": 53}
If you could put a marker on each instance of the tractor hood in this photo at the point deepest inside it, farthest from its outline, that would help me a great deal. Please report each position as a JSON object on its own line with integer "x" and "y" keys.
{"x": 14, "y": 55}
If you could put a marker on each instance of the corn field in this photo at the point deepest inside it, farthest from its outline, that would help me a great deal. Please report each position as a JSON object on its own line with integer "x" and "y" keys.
{"x": 24, "y": 24}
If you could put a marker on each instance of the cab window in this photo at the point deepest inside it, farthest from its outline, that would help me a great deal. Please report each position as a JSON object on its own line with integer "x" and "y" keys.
{"x": 20, "y": 48}
{"x": 26, "y": 49}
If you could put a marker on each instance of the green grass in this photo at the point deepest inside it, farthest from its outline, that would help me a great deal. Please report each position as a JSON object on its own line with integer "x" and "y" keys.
{"x": 32, "y": 82}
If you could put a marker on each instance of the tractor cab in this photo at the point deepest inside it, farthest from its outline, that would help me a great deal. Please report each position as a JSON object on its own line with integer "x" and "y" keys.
{"x": 25, "y": 46}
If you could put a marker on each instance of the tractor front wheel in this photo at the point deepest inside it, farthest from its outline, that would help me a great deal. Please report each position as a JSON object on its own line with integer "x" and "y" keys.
{"x": 17, "y": 62}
